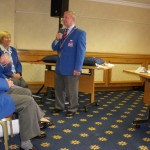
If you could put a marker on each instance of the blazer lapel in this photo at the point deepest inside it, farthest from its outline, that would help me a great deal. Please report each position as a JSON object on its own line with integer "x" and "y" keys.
{"x": 71, "y": 32}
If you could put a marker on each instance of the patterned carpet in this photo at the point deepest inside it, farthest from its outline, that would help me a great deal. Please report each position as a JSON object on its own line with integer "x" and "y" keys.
{"x": 104, "y": 127}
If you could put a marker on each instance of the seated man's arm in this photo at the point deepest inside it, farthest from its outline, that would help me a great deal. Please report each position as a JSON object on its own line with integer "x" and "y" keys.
{"x": 4, "y": 86}
{"x": 7, "y": 71}
{"x": 18, "y": 65}
{"x": 5, "y": 66}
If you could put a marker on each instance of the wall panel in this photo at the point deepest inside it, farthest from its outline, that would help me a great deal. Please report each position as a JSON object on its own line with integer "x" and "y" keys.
{"x": 7, "y": 17}
{"x": 114, "y": 77}
{"x": 119, "y": 75}
{"x": 110, "y": 29}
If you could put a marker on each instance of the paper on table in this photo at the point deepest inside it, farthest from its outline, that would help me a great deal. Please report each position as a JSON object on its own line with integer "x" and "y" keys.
{"x": 105, "y": 66}
{"x": 140, "y": 69}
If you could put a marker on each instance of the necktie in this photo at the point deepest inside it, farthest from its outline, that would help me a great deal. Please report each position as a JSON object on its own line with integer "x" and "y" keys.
{"x": 65, "y": 34}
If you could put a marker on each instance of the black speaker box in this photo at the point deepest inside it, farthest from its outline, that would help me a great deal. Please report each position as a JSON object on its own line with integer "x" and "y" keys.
{"x": 58, "y": 7}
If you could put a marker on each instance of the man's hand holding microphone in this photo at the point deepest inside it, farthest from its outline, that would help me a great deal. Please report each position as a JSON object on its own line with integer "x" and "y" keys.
{"x": 59, "y": 36}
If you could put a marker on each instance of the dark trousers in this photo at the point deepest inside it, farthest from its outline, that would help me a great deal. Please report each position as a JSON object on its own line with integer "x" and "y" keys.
{"x": 66, "y": 85}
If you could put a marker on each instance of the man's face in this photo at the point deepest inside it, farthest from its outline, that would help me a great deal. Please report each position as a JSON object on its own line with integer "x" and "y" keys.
{"x": 5, "y": 59}
{"x": 6, "y": 40}
{"x": 68, "y": 20}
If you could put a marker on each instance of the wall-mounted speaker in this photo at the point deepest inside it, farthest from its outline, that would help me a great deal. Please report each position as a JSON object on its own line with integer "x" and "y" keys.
{"x": 58, "y": 7}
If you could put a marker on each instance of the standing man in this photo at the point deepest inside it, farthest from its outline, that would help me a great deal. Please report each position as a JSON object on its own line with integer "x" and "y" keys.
{"x": 71, "y": 47}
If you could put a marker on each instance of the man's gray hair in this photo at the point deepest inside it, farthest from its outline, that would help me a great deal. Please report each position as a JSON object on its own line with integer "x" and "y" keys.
{"x": 71, "y": 13}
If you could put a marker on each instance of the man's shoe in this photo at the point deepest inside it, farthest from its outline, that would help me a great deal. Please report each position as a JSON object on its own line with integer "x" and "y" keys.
{"x": 41, "y": 136}
{"x": 44, "y": 125}
{"x": 33, "y": 148}
{"x": 56, "y": 110}
{"x": 70, "y": 113}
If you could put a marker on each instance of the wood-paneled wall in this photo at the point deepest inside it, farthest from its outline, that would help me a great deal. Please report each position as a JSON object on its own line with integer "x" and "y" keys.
{"x": 107, "y": 83}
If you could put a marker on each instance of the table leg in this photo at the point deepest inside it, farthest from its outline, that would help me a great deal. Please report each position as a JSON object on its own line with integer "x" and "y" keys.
{"x": 88, "y": 81}
{"x": 146, "y": 101}
{"x": 38, "y": 92}
{"x": 93, "y": 102}
{"x": 137, "y": 123}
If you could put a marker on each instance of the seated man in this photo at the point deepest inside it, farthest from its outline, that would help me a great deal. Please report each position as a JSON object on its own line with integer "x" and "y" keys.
{"x": 28, "y": 111}
{"x": 5, "y": 63}
{"x": 16, "y": 68}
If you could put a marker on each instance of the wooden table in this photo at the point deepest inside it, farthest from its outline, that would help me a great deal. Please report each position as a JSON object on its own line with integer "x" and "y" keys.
{"x": 86, "y": 81}
{"x": 146, "y": 99}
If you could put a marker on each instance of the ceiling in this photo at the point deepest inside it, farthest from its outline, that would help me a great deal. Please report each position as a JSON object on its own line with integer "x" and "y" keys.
{"x": 134, "y": 3}
{"x": 140, "y": 1}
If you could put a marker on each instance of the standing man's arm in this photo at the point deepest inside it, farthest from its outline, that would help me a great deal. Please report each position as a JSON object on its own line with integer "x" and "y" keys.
{"x": 55, "y": 44}
{"x": 81, "y": 48}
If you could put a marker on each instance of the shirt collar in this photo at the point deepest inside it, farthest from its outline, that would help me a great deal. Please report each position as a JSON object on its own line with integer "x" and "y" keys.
{"x": 70, "y": 28}
{"x": 5, "y": 50}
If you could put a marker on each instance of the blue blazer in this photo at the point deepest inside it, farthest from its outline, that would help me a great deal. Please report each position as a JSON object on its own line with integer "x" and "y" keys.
{"x": 71, "y": 52}
{"x": 8, "y": 73}
{"x": 7, "y": 105}
{"x": 5, "y": 71}
{"x": 1, "y": 72}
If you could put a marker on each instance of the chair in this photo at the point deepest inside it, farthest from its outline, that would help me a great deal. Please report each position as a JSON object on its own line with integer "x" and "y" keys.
{"x": 3, "y": 123}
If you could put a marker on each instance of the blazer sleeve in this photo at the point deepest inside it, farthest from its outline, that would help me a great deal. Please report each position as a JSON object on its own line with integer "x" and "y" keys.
{"x": 2, "y": 75}
{"x": 17, "y": 63}
{"x": 56, "y": 45}
{"x": 3, "y": 85}
{"x": 81, "y": 48}
{"x": 1, "y": 52}
{"x": 1, "y": 72}
{"x": 7, "y": 105}
{"x": 7, "y": 71}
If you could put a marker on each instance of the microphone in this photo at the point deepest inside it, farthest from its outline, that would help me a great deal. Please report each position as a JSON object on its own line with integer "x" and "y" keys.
{"x": 60, "y": 33}
{"x": 61, "y": 30}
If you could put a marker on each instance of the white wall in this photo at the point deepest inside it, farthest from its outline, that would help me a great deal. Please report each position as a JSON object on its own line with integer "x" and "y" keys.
{"x": 110, "y": 28}
{"x": 35, "y": 29}
{"x": 7, "y": 16}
